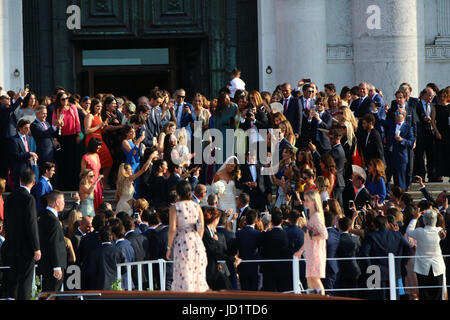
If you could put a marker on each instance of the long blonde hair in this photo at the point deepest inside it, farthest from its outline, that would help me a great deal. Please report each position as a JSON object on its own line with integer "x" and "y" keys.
{"x": 84, "y": 176}
{"x": 350, "y": 132}
{"x": 122, "y": 178}
{"x": 315, "y": 197}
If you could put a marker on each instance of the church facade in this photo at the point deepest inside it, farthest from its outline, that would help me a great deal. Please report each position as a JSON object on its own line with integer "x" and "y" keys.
{"x": 132, "y": 45}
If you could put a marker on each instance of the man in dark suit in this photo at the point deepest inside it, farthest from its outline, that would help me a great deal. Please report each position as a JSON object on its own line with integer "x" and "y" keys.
{"x": 88, "y": 244}
{"x": 379, "y": 244}
{"x": 378, "y": 109}
{"x": 84, "y": 228}
{"x": 7, "y": 127}
{"x": 243, "y": 207}
{"x": 140, "y": 244}
{"x": 248, "y": 242}
{"x": 43, "y": 186}
{"x": 425, "y": 143}
{"x": 176, "y": 175}
{"x": 349, "y": 270}
{"x": 400, "y": 140}
{"x": 320, "y": 119}
{"x": 360, "y": 107}
{"x": 21, "y": 248}
{"x": 332, "y": 267}
{"x": 338, "y": 154}
{"x": 362, "y": 195}
{"x": 44, "y": 135}
{"x": 292, "y": 110}
{"x": 372, "y": 146}
{"x": 20, "y": 151}
{"x": 158, "y": 247}
{"x": 296, "y": 238}
{"x": 54, "y": 255}
{"x": 275, "y": 246}
{"x": 153, "y": 125}
{"x": 229, "y": 237}
{"x": 257, "y": 186}
{"x": 102, "y": 264}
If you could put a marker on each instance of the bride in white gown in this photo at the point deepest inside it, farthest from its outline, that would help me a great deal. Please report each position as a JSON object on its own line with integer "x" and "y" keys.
{"x": 228, "y": 174}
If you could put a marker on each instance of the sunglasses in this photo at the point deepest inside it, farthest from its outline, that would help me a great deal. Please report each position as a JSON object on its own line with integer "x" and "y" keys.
{"x": 340, "y": 112}
{"x": 310, "y": 91}
{"x": 181, "y": 97}
{"x": 397, "y": 112}
{"x": 64, "y": 99}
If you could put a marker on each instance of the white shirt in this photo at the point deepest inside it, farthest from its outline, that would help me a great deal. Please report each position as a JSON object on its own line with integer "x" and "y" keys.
{"x": 427, "y": 245}
{"x": 253, "y": 172}
{"x": 397, "y": 128}
{"x": 236, "y": 84}
{"x": 29, "y": 191}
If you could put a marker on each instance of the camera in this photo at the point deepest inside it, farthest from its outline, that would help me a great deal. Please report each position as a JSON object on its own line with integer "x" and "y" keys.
{"x": 136, "y": 215}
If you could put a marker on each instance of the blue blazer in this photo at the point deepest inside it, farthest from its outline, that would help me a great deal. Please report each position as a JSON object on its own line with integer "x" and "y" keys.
{"x": 127, "y": 250}
{"x": 42, "y": 187}
{"x": 332, "y": 245}
{"x": 294, "y": 113}
{"x": 379, "y": 244}
{"x": 296, "y": 238}
{"x": 248, "y": 241}
{"x": 19, "y": 157}
{"x": 44, "y": 141}
{"x": 186, "y": 118}
{"x": 400, "y": 149}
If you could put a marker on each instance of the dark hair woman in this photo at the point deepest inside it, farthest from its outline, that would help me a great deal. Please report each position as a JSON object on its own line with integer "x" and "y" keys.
{"x": 94, "y": 128}
{"x": 112, "y": 134}
{"x": 65, "y": 118}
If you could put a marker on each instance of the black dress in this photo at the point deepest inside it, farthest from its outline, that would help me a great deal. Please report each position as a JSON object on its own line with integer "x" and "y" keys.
{"x": 443, "y": 145}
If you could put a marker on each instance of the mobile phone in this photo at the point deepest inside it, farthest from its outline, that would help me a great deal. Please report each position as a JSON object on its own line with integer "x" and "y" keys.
{"x": 415, "y": 179}
{"x": 350, "y": 203}
{"x": 136, "y": 215}
{"x": 307, "y": 80}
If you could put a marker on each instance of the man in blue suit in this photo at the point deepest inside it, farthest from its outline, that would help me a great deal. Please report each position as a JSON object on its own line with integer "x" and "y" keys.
{"x": 248, "y": 242}
{"x": 296, "y": 238}
{"x": 400, "y": 140}
{"x": 378, "y": 109}
{"x": 20, "y": 151}
{"x": 43, "y": 186}
{"x": 379, "y": 244}
{"x": 332, "y": 268}
{"x": 183, "y": 110}
{"x": 320, "y": 119}
{"x": 118, "y": 235}
{"x": 44, "y": 135}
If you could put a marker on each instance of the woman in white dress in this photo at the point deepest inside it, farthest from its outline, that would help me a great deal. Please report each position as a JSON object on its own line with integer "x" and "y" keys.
{"x": 228, "y": 174}
{"x": 125, "y": 188}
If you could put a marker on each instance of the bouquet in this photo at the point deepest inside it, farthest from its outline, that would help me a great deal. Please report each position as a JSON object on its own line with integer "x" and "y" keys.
{"x": 218, "y": 188}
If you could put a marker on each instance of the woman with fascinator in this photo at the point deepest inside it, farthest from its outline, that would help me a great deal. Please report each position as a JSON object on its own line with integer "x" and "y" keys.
{"x": 224, "y": 184}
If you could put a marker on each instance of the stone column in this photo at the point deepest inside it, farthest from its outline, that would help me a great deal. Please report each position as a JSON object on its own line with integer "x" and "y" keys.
{"x": 267, "y": 45}
{"x": 389, "y": 55}
{"x": 11, "y": 45}
{"x": 443, "y": 22}
{"x": 292, "y": 40}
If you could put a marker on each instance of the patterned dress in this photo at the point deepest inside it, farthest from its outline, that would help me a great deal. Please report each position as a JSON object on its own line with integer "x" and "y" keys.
{"x": 189, "y": 254}
{"x": 316, "y": 250}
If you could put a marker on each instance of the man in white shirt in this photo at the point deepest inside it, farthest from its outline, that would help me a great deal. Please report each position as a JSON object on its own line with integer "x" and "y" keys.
{"x": 236, "y": 83}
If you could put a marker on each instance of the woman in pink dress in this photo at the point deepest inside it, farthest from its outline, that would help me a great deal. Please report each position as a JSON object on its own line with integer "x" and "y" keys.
{"x": 315, "y": 245}
{"x": 91, "y": 160}
{"x": 185, "y": 244}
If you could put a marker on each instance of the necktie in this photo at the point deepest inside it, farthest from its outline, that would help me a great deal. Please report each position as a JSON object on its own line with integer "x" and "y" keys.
{"x": 153, "y": 114}
{"x": 25, "y": 142}
{"x": 44, "y": 125}
{"x": 285, "y": 105}
{"x": 428, "y": 110}
{"x": 307, "y": 104}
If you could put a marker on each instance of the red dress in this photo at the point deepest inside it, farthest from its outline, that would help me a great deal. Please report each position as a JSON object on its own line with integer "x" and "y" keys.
{"x": 93, "y": 163}
{"x": 104, "y": 153}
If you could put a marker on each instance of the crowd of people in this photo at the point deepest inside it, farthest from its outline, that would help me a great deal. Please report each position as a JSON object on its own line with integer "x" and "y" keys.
{"x": 331, "y": 196}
